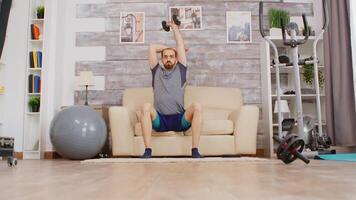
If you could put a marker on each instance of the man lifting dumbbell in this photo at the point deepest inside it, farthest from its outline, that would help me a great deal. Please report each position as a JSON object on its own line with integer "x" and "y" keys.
{"x": 168, "y": 81}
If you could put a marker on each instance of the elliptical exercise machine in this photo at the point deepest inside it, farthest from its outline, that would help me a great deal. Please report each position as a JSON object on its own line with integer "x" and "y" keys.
{"x": 291, "y": 146}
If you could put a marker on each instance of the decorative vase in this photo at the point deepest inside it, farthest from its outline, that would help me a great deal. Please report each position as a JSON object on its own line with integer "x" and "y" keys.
{"x": 34, "y": 108}
{"x": 40, "y": 15}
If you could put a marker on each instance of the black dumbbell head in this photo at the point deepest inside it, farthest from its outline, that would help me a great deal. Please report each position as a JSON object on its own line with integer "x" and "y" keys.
{"x": 176, "y": 20}
{"x": 165, "y": 27}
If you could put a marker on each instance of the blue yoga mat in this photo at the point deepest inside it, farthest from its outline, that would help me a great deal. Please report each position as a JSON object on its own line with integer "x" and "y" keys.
{"x": 351, "y": 157}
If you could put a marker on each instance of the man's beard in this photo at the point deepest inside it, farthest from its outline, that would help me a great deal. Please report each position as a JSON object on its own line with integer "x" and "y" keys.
{"x": 168, "y": 65}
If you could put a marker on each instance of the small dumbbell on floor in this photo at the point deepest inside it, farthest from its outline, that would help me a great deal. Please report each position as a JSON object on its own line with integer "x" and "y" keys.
{"x": 11, "y": 161}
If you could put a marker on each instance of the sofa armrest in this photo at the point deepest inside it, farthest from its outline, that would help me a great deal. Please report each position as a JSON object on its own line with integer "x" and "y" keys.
{"x": 122, "y": 130}
{"x": 245, "y": 129}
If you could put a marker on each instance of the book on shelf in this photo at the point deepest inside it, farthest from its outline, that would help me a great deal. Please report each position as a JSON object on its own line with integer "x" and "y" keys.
{"x": 2, "y": 89}
{"x": 35, "y": 32}
{"x": 34, "y": 84}
{"x": 35, "y": 59}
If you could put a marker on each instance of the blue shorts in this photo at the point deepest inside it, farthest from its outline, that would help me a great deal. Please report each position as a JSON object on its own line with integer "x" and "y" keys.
{"x": 176, "y": 122}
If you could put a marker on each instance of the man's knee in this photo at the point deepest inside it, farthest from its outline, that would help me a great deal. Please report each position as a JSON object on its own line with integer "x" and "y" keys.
{"x": 146, "y": 108}
{"x": 197, "y": 108}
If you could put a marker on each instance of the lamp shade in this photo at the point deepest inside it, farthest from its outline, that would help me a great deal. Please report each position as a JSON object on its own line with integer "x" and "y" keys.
{"x": 86, "y": 78}
{"x": 284, "y": 106}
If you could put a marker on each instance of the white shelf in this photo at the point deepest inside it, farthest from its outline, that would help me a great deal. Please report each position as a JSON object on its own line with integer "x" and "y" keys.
{"x": 35, "y": 69}
{"x": 316, "y": 123}
{"x": 32, "y": 120}
{"x": 288, "y": 37}
{"x": 288, "y": 69}
{"x": 37, "y": 20}
{"x": 33, "y": 113}
{"x": 268, "y": 81}
{"x": 36, "y": 41}
{"x": 292, "y": 96}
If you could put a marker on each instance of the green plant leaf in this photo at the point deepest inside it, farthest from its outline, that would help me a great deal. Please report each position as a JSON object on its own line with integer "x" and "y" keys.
{"x": 274, "y": 17}
{"x": 308, "y": 75}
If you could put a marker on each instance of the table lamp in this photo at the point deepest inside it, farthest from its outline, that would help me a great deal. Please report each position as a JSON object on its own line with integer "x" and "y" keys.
{"x": 86, "y": 79}
{"x": 284, "y": 107}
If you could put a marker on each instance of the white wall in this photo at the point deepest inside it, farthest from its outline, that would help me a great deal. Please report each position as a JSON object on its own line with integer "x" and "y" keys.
{"x": 14, "y": 72}
{"x": 73, "y": 54}
{"x": 62, "y": 54}
{"x": 52, "y": 79}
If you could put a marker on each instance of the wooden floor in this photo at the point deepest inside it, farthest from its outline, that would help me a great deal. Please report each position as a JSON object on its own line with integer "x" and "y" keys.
{"x": 62, "y": 179}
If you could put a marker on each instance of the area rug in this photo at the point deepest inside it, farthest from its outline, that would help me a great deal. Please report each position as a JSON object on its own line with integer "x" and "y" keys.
{"x": 172, "y": 160}
{"x": 350, "y": 157}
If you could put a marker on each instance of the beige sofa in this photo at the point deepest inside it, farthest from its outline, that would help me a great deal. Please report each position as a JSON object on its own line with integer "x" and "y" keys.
{"x": 228, "y": 127}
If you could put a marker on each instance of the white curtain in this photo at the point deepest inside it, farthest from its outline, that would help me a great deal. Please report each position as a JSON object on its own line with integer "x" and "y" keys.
{"x": 353, "y": 38}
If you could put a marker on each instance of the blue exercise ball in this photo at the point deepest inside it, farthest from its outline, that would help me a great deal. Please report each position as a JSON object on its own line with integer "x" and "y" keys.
{"x": 78, "y": 132}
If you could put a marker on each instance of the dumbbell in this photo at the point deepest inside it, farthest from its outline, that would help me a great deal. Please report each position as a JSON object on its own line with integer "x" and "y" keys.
{"x": 290, "y": 148}
{"x": 175, "y": 20}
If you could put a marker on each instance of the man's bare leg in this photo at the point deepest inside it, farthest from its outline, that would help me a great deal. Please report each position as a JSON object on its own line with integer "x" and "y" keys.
{"x": 148, "y": 114}
{"x": 194, "y": 115}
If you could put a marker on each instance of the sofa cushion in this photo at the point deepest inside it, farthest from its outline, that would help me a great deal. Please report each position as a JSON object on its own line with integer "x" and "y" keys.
{"x": 215, "y": 113}
{"x": 208, "y": 113}
{"x": 215, "y": 127}
{"x": 214, "y": 97}
{"x": 138, "y": 132}
{"x": 209, "y": 127}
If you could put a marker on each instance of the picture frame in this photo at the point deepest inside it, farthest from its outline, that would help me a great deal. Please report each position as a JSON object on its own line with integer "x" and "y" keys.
{"x": 132, "y": 27}
{"x": 238, "y": 27}
{"x": 190, "y": 17}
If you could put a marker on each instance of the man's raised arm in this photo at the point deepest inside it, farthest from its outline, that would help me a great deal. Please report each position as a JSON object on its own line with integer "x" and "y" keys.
{"x": 153, "y": 50}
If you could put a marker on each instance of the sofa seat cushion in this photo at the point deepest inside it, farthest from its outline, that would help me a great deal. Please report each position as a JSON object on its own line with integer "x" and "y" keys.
{"x": 215, "y": 127}
{"x": 208, "y": 113}
{"x": 138, "y": 132}
{"x": 209, "y": 127}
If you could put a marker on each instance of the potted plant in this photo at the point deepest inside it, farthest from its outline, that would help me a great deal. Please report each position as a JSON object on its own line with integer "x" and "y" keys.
{"x": 34, "y": 104}
{"x": 40, "y": 12}
{"x": 274, "y": 17}
{"x": 308, "y": 75}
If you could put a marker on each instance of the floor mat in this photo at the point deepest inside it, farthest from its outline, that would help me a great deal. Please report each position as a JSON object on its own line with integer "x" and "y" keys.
{"x": 171, "y": 160}
{"x": 351, "y": 157}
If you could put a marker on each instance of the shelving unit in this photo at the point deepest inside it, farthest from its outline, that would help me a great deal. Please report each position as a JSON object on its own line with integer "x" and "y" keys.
{"x": 32, "y": 120}
{"x": 269, "y": 89}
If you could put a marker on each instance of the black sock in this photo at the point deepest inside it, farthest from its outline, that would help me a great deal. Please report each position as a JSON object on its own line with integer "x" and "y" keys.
{"x": 195, "y": 153}
{"x": 147, "y": 154}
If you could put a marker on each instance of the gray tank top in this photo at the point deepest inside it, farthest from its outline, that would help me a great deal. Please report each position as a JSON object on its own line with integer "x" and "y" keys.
{"x": 168, "y": 89}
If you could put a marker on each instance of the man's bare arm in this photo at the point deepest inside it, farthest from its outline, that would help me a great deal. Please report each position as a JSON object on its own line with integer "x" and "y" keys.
{"x": 180, "y": 43}
{"x": 153, "y": 50}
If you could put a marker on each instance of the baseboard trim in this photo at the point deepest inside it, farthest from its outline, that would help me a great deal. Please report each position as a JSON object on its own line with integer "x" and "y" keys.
{"x": 49, "y": 155}
{"x": 260, "y": 153}
{"x": 19, "y": 155}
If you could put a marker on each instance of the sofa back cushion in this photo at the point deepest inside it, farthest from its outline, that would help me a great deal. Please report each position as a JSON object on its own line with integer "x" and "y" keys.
{"x": 134, "y": 98}
{"x": 213, "y": 97}
{"x": 217, "y": 102}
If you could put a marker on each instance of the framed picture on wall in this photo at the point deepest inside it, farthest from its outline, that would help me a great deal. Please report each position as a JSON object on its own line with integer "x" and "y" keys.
{"x": 238, "y": 28}
{"x": 132, "y": 27}
{"x": 190, "y": 16}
